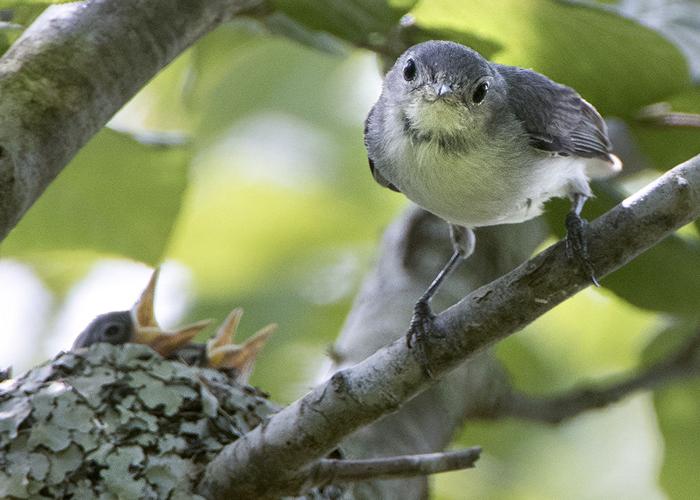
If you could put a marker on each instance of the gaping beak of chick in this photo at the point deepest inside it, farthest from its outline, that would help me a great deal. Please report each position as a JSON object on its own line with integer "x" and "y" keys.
{"x": 223, "y": 353}
{"x": 148, "y": 331}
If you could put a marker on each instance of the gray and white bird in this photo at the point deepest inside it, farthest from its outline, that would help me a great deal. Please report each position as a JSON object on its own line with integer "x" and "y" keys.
{"x": 480, "y": 144}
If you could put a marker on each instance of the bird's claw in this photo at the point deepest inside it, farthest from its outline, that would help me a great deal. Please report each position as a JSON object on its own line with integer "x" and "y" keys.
{"x": 577, "y": 246}
{"x": 420, "y": 329}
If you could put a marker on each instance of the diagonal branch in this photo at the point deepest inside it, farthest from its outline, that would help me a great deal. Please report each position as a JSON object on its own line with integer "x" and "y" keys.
{"x": 333, "y": 471}
{"x": 683, "y": 363}
{"x": 412, "y": 249}
{"x": 307, "y": 429}
{"x": 73, "y": 68}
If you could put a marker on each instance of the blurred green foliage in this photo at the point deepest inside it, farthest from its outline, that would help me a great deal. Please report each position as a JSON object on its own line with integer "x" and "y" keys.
{"x": 596, "y": 52}
{"x": 115, "y": 182}
{"x": 356, "y": 21}
{"x": 269, "y": 203}
{"x": 677, "y": 408}
{"x": 665, "y": 146}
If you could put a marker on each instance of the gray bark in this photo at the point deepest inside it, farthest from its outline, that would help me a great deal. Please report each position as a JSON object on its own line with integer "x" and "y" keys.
{"x": 73, "y": 68}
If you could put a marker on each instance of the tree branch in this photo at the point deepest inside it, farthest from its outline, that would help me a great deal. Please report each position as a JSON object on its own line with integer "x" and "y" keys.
{"x": 332, "y": 471}
{"x": 681, "y": 364}
{"x": 307, "y": 429}
{"x": 412, "y": 250}
{"x": 73, "y": 68}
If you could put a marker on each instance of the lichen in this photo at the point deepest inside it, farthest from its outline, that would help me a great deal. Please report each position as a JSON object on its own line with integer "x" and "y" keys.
{"x": 118, "y": 422}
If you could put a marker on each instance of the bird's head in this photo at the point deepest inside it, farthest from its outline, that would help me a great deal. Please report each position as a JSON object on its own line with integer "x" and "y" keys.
{"x": 138, "y": 325}
{"x": 443, "y": 88}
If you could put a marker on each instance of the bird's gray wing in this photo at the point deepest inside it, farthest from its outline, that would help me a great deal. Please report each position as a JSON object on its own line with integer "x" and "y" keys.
{"x": 379, "y": 178}
{"x": 555, "y": 117}
{"x": 375, "y": 172}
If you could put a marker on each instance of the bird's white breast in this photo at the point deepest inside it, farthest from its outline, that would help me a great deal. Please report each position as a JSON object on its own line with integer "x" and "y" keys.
{"x": 491, "y": 182}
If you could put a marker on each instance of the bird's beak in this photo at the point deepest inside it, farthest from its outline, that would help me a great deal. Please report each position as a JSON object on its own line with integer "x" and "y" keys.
{"x": 223, "y": 353}
{"x": 442, "y": 89}
{"x": 148, "y": 331}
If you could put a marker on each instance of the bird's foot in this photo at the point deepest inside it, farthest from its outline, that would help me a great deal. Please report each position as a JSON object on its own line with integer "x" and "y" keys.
{"x": 577, "y": 246}
{"x": 421, "y": 327}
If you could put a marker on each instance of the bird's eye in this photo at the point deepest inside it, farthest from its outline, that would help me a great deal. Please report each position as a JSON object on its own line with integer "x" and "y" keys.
{"x": 480, "y": 92}
{"x": 112, "y": 332}
{"x": 409, "y": 70}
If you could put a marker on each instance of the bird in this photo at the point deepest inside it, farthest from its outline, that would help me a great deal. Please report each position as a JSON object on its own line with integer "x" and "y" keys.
{"x": 481, "y": 144}
{"x": 139, "y": 325}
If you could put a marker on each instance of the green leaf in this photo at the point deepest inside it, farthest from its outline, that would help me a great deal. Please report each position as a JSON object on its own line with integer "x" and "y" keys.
{"x": 117, "y": 196}
{"x": 280, "y": 24}
{"x": 356, "y": 21}
{"x": 664, "y": 278}
{"x": 614, "y": 62}
{"x": 239, "y": 86}
{"x": 557, "y": 351}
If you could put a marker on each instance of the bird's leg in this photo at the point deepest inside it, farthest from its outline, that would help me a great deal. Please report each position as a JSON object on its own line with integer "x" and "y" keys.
{"x": 576, "y": 244}
{"x": 421, "y": 326}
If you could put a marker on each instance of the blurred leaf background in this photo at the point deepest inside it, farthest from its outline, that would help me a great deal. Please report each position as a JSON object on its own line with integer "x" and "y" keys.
{"x": 241, "y": 168}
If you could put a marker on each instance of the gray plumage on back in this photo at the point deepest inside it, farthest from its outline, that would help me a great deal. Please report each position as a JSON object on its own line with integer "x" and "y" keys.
{"x": 479, "y": 143}
{"x": 555, "y": 117}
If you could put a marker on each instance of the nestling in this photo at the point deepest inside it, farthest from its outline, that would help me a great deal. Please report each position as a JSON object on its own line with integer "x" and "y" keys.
{"x": 139, "y": 325}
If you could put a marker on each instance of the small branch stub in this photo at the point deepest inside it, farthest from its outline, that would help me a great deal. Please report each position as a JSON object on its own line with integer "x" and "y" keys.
{"x": 681, "y": 364}
{"x": 327, "y": 471}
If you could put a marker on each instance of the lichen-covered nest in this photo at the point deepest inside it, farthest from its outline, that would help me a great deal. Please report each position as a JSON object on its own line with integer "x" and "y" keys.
{"x": 118, "y": 422}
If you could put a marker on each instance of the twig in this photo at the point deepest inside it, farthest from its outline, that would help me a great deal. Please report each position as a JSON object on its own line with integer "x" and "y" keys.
{"x": 267, "y": 461}
{"x": 683, "y": 363}
{"x": 661, "y": 114}
{"x": 690, "y": 120}
{"x": 332, "y": 471}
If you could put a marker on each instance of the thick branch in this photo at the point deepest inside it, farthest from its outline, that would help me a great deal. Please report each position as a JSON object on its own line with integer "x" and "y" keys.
{"x": 553, "y": 409}
{"x": 73, "y": 69}
{"x": 307, "y": 429}
{"x": 331, "y": 471}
